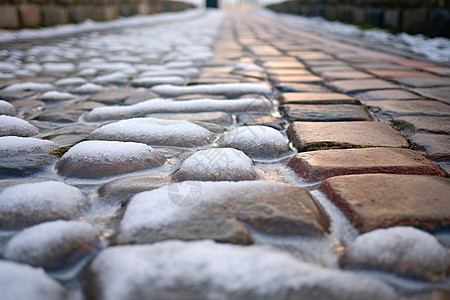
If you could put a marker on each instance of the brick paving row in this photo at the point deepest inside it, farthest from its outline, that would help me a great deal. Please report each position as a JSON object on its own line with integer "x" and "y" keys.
{"x": 251, "y": 160}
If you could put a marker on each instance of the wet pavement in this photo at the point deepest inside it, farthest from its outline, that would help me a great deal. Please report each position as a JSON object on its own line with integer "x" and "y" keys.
{"x": 222, "y": 156}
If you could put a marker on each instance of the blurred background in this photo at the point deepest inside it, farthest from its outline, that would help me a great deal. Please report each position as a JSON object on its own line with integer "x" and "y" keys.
{"x": 429, "y": 17}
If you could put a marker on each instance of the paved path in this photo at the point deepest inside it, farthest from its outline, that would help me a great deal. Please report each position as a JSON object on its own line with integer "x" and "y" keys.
{"x": 222, "y": 157}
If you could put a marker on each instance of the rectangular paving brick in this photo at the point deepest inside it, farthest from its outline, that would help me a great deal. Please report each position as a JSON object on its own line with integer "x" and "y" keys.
{"x": 348, "y": 86}
{"x": 436, "y": 146}
{"x": 335, "y": 75}
{"x": 317, "y": 98}
{"x": 301, "y": 87}
{"x": 323, "y": 63}
{"x": 322, "y": 164}
{"x": 439, "y": 70}
{"x": 439, "y": 125}
{"x": 281, "y": 71}
{"x": 372, "y": 201}
{"x": 306, "y": 135}
{"x": 440, "y": 93}
{"x": 284, "y": 64}
{"x": 419, "y": 82}
{"x": 415, "y": 63}
{"x": 400, "y": 73}
{"x": 386, "y": 95}
{"x": 326, "y": 113}
{"x": 384, "y": 66}
{"x": 412, "y": 107}
{"x": 295, "y": 78}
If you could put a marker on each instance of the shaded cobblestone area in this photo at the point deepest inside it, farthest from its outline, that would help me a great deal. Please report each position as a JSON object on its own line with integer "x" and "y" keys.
{"x": 228, "y": 156}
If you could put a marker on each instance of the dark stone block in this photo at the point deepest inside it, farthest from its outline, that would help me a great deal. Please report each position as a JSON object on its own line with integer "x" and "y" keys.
{"x": 212, "y": 3}
{"x": 374, "y": 16}
{"x": 439, "y": 22}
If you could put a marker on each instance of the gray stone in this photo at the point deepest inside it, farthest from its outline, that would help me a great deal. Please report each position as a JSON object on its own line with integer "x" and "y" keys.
{"x": 412, "y": 124}
{"x": 436, "y": 146}
{"x": 258, "y": 142}
{"x": 18, "y": 146}
{"x": 410, "y": 108}
{"x": 438, "y": 93}
{"x": 25, "y": 165}
{"x": 27, "y": 204}
{"x": 326, "y": 113}
{"x": 212, "y": 117}
{"x": 20, "y": 281}
{"x": 66, "y": 140}
{"x": 123, "y": 188}
{"x": 114, "y": 96}
{"x": 12, "y": 126}
{"x": 155, "y": 132}
{"x": 217, "y": 210}
{"x": 99, "y": 159}
{"x": 251, "y": 272}
{"x": 70, "y": 129}
{"x": 425, "y": 82}
{"x": 406, "y": 251}
{"x": 216, "y": 164}
{"x": 7, "y": 108}
{"x": 63, "y": 116}
{"x": 269, "y": 121}
{"x": 386, "y": 95}
{"x": 55, "y": 244}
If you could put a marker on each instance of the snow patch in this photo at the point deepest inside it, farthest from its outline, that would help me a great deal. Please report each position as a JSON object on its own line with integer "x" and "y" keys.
{"x": 27, "y": 204}
{"x": 404, "y": 250}
{"x": 88, "y": 88}
{"x": 216, "y": 164}
{"x": 153, "y": 131}
{"x": 28, "y": 86}
{"x": 7, "y": 108}
{"x": 171, "y": 106}
{"x": 18, "y": 281}
{"x": 221, "y": 271}
{"x": 55, "y": 96}
{"x": 15, "y": 146}
{"x": 228, "y": 89}
{"x": 47, "y": 244}
{"x": 16, "y": 126}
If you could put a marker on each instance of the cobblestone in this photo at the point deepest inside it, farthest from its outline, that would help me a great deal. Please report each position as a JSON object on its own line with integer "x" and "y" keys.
{"x": 305, "y": 135}
{"x": 373, "y": 201}
{"x": 319, "y": 165}
{"x": 190, "y": 135}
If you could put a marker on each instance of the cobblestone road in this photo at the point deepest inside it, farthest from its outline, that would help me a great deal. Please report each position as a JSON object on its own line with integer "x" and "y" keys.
{"x": 224, "y": 156}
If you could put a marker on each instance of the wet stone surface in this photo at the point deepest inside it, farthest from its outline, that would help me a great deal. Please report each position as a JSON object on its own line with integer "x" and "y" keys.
{"x": 220, "y": 155}
{"x": 177, "y": 211}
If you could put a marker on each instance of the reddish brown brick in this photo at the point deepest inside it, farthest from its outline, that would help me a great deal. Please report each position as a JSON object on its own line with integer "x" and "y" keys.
{"x": 317, "y": 98}
{"x": 347, "y": 86}
{"x": 326, "y": 113}
{"x": 412, "y": 107}
{"x": 400, "y": 73}
{"x": 372, "y": 201}
{"x": 306, "y": 135}
{"x": 322, "y": 164}
{"x": 335, "y": 75}
{"x": 419, "y": 82}
{"x": 386, "y": 95}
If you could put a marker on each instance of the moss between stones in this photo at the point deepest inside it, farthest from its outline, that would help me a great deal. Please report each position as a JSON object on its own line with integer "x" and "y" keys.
{"x": 60, "y": 151}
